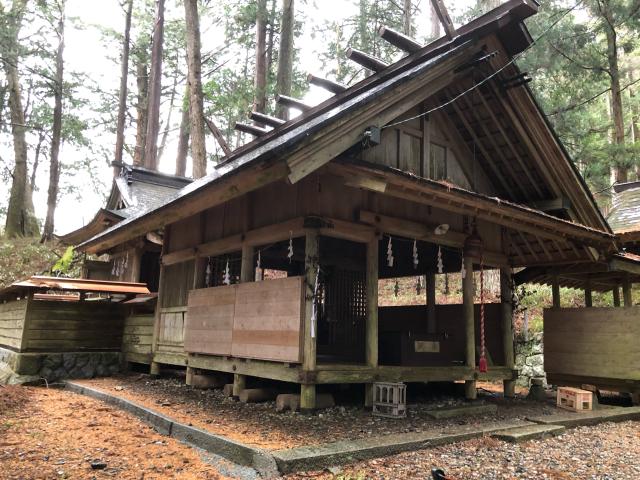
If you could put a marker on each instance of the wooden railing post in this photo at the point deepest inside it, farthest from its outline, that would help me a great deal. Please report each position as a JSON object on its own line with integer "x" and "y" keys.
{"x": 307, "y": 388}
{"x": 616, "y": 296}
{"x": 431, "y": 302}
{"x": 555, "y": 292}
{"x": 509, "y": 386}
{"x": 247, "y": 274}
{"x": 372, "y": 314}
{"x": 626, "y": 292}
{"x": 588, "y": 296}
{"x": 469, "y": 323}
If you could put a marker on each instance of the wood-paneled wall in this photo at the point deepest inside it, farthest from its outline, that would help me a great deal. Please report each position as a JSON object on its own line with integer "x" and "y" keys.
{"x": 137, "y": 337}
{"x": 12, "y": 316}
{"x": 593, "y": 342}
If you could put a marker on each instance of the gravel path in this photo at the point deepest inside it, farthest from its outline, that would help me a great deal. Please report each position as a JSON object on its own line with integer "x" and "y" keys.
{"x": 609, "y": 451}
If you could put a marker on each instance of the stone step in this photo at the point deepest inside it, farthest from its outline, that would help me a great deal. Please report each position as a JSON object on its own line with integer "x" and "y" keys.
{"x": 462, "y": 410}
{"x": 528, "y": 432}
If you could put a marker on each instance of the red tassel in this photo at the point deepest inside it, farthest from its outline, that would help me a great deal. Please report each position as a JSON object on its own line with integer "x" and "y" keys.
{"x": 482, "y": 365}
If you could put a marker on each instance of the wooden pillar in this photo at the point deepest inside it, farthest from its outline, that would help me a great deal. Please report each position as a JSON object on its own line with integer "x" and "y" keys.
{"x": 588, "y": 297}
{"x": 372, "y": 314}
{"x": 626, "y": 292}
{"x": 616, "y": 296}
{"x": 154, "y": 369}
{"x": 506, "y": 295}
{"x": 431, "y": 302}
{"x": 247, "y": 274}
{"x": 308, "y": 390}
{"x": 247, "y": 268}
{"x": 469, "y": 323}
{"x": 555, "y": 292}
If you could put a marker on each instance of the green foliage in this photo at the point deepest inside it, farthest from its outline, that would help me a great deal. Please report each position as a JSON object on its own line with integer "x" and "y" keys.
{"x": 64, "y": 263}
{"x": 22, "y": 257}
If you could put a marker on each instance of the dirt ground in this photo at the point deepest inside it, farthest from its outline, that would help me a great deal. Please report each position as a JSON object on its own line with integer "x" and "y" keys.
{"x": 609, "y": 451}
{"x": 261, "y": 426}
{"x": 53, "y": 434}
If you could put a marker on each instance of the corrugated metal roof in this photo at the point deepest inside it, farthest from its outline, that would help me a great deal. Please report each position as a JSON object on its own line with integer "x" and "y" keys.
{"x": 625, "y": 214}
{"x": 73, "y": 285}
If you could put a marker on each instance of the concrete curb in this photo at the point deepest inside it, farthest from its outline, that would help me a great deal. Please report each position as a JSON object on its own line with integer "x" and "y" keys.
{"x": 236, "y": 452}
{"x": 570, "y": 419}
{"x": 339, "y": 453}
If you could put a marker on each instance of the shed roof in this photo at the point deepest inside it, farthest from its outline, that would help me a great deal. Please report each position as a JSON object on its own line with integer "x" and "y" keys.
{"x": 624, "y": 217}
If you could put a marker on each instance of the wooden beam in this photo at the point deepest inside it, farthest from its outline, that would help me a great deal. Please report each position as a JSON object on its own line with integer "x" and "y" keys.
{"x": 266, "y": 119}
{"x": 367, "y": 61}
{"x": 443, "y": 16}
{"x": 616, "y": 295}
{"x": 432, "y": 326}
{"x": 372, "y": 335}
{"x": 310, "y": 329}
{"x": 551, "y": 205}
{"x": 506, "y": 295}
{"x": 330, "y": 85}
{"x": 251, "y": 129}
{"x": 218, "y": 136}
{"x": 588, "y": 296}
{"x": 555, "y": 291}
{"x": 626, "y": 292}
{"x": 247, "y": 267}
{"x": 469, "y": 325}
{"x": 399, "y": 40}
{"x": 291, "y": 102}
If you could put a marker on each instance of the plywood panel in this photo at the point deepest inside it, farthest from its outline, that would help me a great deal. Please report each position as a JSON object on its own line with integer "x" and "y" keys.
{"x": 593, "y": 342}
{"x": 137, "y": 338}
{"x": 12, "y": 316}
{"x": 210, "y": 320}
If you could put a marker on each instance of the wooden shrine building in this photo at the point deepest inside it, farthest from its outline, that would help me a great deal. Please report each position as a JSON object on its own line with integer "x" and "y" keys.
{"x": 439, "y": 162}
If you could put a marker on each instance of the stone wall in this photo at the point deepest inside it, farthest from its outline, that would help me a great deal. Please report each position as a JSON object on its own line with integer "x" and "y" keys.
{"x": 530, "y": 359}
{"x": 30, "y": 367}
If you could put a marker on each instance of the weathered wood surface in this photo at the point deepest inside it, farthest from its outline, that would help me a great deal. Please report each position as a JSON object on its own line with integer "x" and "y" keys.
{"x": 251, "y": 320}
{"x": 171, "y": 332}
{"x": 137, "y": 337}
{"x": 72, "y": 326}
{"x": 593, "y": 342}
{"x": 12, "y": 316}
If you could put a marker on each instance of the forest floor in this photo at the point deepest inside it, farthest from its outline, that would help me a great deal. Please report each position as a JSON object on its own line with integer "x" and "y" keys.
{"x": 56, "y": 434}
{"x": 259, "y": 424}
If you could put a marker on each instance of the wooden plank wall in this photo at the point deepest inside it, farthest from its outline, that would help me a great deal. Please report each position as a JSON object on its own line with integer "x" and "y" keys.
{"x": 593, "y": 342}
{"x": 73, "y": 326}
{"x": 12, "y": 316}
{"x": 260, "y": 320}
{"x": 137, "y": 337}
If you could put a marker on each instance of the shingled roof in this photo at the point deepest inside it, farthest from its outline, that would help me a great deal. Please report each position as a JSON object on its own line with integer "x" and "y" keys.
{"x": 625, "y": 214}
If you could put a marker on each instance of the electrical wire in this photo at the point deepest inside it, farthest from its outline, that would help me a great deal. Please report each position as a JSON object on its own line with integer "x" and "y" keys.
{"x": 486, "y": 79}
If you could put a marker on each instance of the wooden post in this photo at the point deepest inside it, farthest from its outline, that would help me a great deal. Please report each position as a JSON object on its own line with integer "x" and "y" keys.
{"x": 626, "y": 292}
{"x": 555, "y": 291}
{"x": 308, "y": 390}
{"x": 616, "y": 296}
{"x": 154, "y": 368}
{"x": 431, "y": 302}
{"x": 247, "y": 269}
{"x": 509, "y": 386}
{"x": 469, "y": 322}
{"x": 588, "y": 298}
{"x": 372, "y": 314}
{"x": 239, "y": 384}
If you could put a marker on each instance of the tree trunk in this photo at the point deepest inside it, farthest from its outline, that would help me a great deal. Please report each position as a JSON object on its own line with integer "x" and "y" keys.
{"x": 270, "y": 22}
{"x": 406, "y": 18}
{"x": 142, "y": 81}
{"x": 196, "y": 109}
{"x": 619, "y": 168}
{"x": 167, "y": 125}
{"x": 183, "y": 141}
{"x": 122, "y": 97}
{"x": 56, "y": 133}
{"x": 635, "y": 117}
{"x": 434, "y": 22}
{"x": 155, "y": 90}
{"x": 21, "y": 220}
{"x": 260, "y": 80}
{"x": 285, "y": 56}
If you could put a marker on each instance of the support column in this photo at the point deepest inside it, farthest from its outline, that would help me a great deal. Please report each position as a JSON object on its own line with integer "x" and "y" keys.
{"x": 372, "y": 314}
{"x": 154, "y": 368}
{"x": 626, "y": 292}
{"x": 588, "y": 298}
{"x": 308, "y": 390}
{"x": 506, "y": 295}
{"x": 555, "y": 292}
{"x": 470, "y": 328}
{"x": 616, "y": 296}
{"x": 239, "y": 384}
{"x": 431, "y": 302}
{"x": 247, "y": 274}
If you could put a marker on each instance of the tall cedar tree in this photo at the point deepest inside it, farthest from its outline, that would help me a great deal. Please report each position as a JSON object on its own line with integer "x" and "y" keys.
{"x": 260, "y": 81}
{"x": 21, "y": 219}
{"x": 142, "y": 82}
{"x": 183, "y": 139}
{"x": 406, "y": 18}
{"x": 196, "y": 109}
{"x": 54, "y": 167}
{"x": 122, "y": 97}
{"x": 285, "y": 56}
{"x": 155, "y": 90}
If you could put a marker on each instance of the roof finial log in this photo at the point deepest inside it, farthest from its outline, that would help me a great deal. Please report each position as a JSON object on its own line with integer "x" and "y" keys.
{"x": 266, "y": 119}
{"x": 366, "y": 60}
{"x": 399, "y": 40}
{"x": 292, "y": 103}
{"x": 251, "y": 129}
{"x": 443, "y": 16}
{"x": 325, "y": 83}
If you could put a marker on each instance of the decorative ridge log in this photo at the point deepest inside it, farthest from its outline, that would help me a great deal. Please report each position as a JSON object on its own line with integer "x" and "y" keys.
{"x": 251, "y": 129}
{"x": 325, "y": 83}
{"x": 266, "y": 119}
{"x": 443, "y": 16}
{"x": 366, "y": 60}
{"x": 399, "y": 40}
{"x": 218, "y": 136}
{"x": 292, "y": 103}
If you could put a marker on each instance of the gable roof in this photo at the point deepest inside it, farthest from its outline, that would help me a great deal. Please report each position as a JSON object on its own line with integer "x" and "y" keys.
{"x": 624, "y": 217}
{"x": 260, "y": 161}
